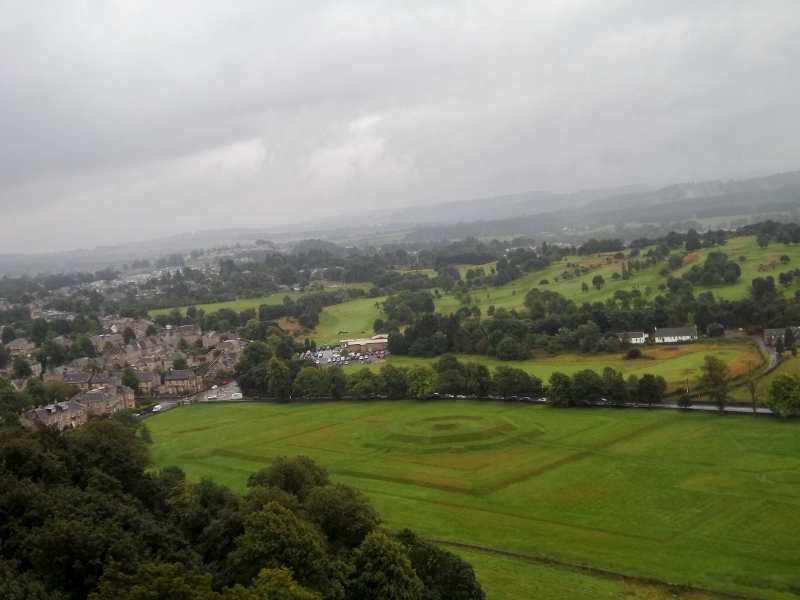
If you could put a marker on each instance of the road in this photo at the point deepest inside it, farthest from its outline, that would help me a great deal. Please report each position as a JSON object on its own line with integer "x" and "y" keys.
{"x": 222, "y": 393}
{"x": 773, "y": 356}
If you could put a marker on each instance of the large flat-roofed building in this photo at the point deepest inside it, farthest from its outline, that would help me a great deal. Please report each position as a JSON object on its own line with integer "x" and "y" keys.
{"x": 377, "y": 342}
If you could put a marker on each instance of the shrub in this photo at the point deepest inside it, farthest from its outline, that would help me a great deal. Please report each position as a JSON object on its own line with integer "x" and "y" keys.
{"x": 633, "y": 353}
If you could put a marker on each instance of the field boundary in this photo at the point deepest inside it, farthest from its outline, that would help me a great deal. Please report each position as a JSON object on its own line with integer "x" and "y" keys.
{"x": 593, "y": 570}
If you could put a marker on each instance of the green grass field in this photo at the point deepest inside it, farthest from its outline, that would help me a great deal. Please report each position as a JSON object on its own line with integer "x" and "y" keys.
{"x": 237, "y": 305}
{"x": 685, "y": 498}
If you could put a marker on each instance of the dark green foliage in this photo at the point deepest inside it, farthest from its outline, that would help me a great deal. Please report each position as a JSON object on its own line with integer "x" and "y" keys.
{"x": 297, "y": 475}
{"x": 383, "y": 571}
{"x": 81, "y": 518}
{"x": 445, "y": 575}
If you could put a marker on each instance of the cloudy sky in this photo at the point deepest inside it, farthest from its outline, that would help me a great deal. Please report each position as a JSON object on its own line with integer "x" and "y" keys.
{"x": 133, "y": 120}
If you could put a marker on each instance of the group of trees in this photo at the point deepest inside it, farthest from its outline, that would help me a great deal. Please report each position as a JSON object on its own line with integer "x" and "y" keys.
{"x": 716, "y": 269}
{"x": 557, "y": 324}
{"x": 270, "y": 376}
{"x": 81, "y": 516}
{"x": 588, "y": 387}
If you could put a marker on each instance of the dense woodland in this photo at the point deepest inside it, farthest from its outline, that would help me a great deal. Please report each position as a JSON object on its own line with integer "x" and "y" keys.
{"x": 81, "y": 516}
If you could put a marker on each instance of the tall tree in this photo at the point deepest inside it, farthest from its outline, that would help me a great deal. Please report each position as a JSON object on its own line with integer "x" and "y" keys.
{"x": 422, "y": 381}
{"x": 716, "y": 380}
{"x": 279, "y": 379}
{"x": 784, "y": 395}
{"x": 649, "y": 390}
{"x": 383, "y": 571}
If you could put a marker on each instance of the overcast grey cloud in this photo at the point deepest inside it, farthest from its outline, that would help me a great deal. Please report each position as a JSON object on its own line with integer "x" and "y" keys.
{"x": 132, "y": 120}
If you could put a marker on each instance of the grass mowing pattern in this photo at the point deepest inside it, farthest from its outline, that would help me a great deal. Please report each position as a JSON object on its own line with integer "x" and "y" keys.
{"x": 686, "y": 498}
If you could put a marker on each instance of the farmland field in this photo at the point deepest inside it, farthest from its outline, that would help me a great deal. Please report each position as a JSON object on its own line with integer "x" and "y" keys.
{"x": 686, "y": 498}
{"x": 237, "y": 305}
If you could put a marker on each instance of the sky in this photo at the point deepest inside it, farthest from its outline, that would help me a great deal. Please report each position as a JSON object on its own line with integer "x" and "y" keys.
{"x": 124, "y": 121}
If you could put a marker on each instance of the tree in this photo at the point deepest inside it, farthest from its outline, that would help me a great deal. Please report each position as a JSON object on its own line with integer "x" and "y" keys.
{"x": 310, "y": 383}
{"x": 180, "y": 364}
{"x": 752, "y": 383}
{"x": 279, "y": 379}
{"x": 275, "y": 537}
{"x": 445, "y": 575}
{"x": 685, "y": 401}
{"x": 693, "y": 244}
{"x": 615, "y": 389}
{"x": 128, "y": 335}
{"x": 297, "y": 475}
{"x": 39, "y": 329}
{"x": 20, "y": 368}
{"x": 716, "y": 380}
{"x": 361, "y": 383}
{"x": 598, "y": 281}
{"x": 584, "y": 287}
{"x": 587, "y": 387}
{"x": 478, "y": 380}
{"x": 392, "y": 382}
{"x": 342, "y": 513}
{"x": 784, "y": 395}
{"x": 383, "y": 571}
{"x": 129, "y": 379}
{"x": 649, "y": 390}
{"x": 779, "y": 347}
{"x": 560, "y": 391}
{"x": 279, "y": 584}
{"x": 337, "y": 382}
{"x": 422, "y": 381}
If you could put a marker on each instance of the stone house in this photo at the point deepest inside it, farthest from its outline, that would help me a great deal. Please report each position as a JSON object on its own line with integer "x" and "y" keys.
{"x": 81, "y": 380}
{"x": 105, "y": 380}
{"x": 63, "y": 415}
{"x": 149, "y": 383}
{"x": 211, "y": 339}
{"x": 190, "y": 333}
{"x": 181, "y": 382}
{"x": 20, "y": 347}
{"x": 106, "y": 400}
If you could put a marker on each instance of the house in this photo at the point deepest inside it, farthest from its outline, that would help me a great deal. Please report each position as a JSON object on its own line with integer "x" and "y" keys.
{"x": 106, "y": 400}
{"x": 211, "y": 339}
{"x": 105, "y": 379}
{"x": 99, "y": 341}
{"x": 63, "y": 415}
{"x": 190, "y": 333}
{"x": 36, "y": 367}
{"x": 671, "y": 335}
{"x": 635, "y": 337}
{"x": 148, "y": 363}
{"x": 80, "y": 380}
{"x": 149, "y": 383}
{"x": 182, "y": 382}
{"x": 771, "y": 335}
{"x": 20, "y": 347}
{"x": 169, "y": 361}
{"x": 56, "y": 374}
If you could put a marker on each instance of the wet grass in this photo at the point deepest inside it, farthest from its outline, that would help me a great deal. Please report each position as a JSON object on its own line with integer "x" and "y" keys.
{"x": 695, "y": 499}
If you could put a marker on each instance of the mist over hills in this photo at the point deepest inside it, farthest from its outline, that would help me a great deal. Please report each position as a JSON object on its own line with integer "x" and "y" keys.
{"x": 632, "y": 210}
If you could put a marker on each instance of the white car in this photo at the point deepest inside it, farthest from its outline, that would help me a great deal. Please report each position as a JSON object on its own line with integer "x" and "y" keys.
{"x": 157, "y": 408}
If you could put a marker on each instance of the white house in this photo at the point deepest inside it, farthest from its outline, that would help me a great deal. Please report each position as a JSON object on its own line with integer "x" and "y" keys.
{"x": 670, "y": 335}
{"x": 635, "y": 337}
